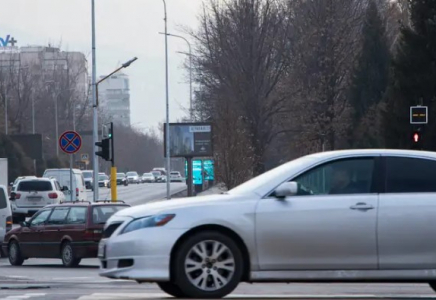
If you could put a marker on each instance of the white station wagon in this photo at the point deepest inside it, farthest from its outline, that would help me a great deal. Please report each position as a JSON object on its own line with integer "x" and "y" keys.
{"x": 347, "y": 216}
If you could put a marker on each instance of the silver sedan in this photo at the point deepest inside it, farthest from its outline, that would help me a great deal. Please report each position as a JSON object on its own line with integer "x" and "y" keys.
{"x": 352, "y": 215}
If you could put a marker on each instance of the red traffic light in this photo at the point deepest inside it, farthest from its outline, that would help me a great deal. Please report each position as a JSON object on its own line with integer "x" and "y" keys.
{"x": 416, "y": 137}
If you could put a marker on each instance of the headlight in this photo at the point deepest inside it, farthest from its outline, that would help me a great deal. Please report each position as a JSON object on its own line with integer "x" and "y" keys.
{"x": 146, "y": 222}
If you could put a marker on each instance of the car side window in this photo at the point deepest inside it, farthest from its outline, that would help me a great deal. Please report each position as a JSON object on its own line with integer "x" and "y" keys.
{"x": 345, "y": 176}
{"x": 58, "y": 216}
{"x": 58, "y": 186}
{"x": 410, "y": 175}
{"x": 40, "y": 218}
{"x": 77, "y": 215}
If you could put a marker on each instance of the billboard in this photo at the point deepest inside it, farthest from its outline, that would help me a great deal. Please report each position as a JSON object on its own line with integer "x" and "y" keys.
{"x": 189, "y": 139}
{"x": 208, "y": 169}
{"x": 196, "y": 171}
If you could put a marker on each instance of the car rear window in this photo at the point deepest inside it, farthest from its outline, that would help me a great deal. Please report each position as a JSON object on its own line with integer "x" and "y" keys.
{"x": 32, "y": 186}
{"x": 101, "y": 213}
{"x": 3, "y": 203}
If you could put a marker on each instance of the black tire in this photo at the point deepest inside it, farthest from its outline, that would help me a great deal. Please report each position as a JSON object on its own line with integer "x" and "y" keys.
{"x": 433, "y": 285}
{"x": 181, "y": 278}
{"x": 171, "y": 289}
{"x": 14, "y": 254}
{"x": 68, "y": 256}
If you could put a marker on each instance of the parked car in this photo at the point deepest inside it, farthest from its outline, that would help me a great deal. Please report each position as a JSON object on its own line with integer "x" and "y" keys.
{"x": 176, "y": 177}
{"x": 33, "y": 194}
{"x": 351, "y": 215}
{"x": 148, "y": 177}
{"x": 89, "y": 180}
{"x": 104, "y": 181}
{"x": 5, "y": 215}
{"x": 157, "y": 176}
{"x": 122, "y": 179}
{"x": 70, "y": 231}
{"x": 63, "y": 177}
{"x": 133, "y": 177}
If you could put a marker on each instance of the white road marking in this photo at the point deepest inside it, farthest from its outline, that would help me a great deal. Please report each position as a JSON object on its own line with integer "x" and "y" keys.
{"x": 25, "y": 296}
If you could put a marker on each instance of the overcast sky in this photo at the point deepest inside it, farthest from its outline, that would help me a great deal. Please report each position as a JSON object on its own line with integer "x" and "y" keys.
{"x": 125, "y": 28}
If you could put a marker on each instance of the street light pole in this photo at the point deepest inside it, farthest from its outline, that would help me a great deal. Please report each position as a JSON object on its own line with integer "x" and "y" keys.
{"x": 167, "y": 142}
{"x": 94, "y": 107}
{"x": 6, "y": 110}
{"x": 190, "y": 69}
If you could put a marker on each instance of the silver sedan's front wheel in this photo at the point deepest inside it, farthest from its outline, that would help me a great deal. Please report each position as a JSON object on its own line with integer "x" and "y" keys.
{"x": 208, "y": 265}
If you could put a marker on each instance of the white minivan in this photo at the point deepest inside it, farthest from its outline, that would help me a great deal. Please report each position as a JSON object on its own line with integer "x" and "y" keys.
{"x": 5, "y": 214}
{"x": 63, "y": 177}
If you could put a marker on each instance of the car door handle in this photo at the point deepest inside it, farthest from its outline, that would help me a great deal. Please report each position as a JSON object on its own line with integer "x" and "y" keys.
{"x": 362, "y": 206}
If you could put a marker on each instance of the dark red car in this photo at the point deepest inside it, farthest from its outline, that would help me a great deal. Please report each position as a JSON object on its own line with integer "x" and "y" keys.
{"x": 69, "y": 231}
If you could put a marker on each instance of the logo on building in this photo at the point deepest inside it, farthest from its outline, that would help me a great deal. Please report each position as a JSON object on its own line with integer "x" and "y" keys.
{"x": 8, "y": 42}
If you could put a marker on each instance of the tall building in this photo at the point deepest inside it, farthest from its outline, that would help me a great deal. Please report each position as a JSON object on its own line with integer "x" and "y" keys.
{"x": 114, "y": 97}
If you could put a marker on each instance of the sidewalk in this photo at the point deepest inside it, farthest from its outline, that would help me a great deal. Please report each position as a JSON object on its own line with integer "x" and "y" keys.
{"x": 216, "y": 189}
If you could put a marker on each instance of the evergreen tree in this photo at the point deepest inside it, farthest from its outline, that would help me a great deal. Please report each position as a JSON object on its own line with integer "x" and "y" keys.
{"x": 370, "y": 79}
{"x": 413, "y": 78}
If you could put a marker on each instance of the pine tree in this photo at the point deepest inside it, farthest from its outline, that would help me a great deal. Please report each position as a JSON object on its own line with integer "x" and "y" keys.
{"x": 370, "y": 79}
{"x": 413, "y": 78}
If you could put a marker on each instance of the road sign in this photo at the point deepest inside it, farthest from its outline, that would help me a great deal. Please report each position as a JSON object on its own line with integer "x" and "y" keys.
{"x": 84, "y": 157}
{"x": 418, "y": 115}
{"x": 70, "y": 142}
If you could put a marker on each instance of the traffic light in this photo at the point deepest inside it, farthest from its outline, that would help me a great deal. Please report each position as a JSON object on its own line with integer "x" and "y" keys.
{"x": 105, "y": 152}
{"x": 417, "y": 140}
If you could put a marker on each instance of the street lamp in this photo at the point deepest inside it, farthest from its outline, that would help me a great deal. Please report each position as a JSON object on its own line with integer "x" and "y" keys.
{"x": 190, "y": 69}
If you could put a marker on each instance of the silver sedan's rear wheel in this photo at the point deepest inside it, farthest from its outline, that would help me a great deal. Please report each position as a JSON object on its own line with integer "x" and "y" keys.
{"x": 208, "y": 265}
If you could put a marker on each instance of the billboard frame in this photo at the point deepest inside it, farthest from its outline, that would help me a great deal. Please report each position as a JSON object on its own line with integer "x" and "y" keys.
{"x": 189, "y": 124}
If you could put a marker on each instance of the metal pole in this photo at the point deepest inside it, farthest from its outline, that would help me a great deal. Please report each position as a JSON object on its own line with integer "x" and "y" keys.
{"x": 6, "y": 110}
{"x": 33, "y": 129}
{"x": 113, "y": 169}
{"x": 167, "y": 106}
{"x": 71, "y": 178}
{"x": 56, "y": 124}
{"x": 190, "y": 177}
{"x": 190, "y": 84}
{"x": 95, "y": 107}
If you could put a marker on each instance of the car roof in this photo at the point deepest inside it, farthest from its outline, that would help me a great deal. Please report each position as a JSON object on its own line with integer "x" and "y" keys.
{"x": 87, "y": 204}
{"x": 384, "y": 152}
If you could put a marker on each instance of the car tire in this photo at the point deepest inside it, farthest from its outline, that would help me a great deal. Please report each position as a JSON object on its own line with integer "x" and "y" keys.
{"x": 14, "y": 254}
{"x": 68, "y": 256}
{"x": 208, "y": 265}
{"x": 171, "y": 289}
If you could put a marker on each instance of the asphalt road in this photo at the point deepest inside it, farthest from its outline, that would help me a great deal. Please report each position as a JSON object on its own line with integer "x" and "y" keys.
{"x": 47, "y": 279}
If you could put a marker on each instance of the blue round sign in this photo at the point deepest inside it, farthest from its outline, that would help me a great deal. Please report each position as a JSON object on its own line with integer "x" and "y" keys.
{"x": 70, "y": 142}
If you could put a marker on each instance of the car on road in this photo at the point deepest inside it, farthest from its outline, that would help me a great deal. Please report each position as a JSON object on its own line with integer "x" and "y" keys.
{"x": 350, "y": 215}
{"x": 122, "y": 179}
{"x": 63, "y": 177}
{"x": 148, "y": 178}
{"x": 33, "y": 194}
{"x": 5, "y": 215}
{"x": 104, "y": 181}
{"x": 89, "y": 180}
{"x": 69, "y": 231}
{"x": 133, "y": 177}
{"x": 175, "y": 176}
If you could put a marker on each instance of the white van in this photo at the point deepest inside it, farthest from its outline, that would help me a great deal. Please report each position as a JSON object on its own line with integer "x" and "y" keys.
{"x": 63, "y": 177}
{"x": 5, "y": 214}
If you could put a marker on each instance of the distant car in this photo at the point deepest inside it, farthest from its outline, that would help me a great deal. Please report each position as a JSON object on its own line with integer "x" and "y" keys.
{"x": 70, "y": 231}
{"x": 63, "y": 177}
{"x": 89, "y": 180}
{"x": 157, "y": 176}
{"x": 33, "y": 194}
{"x": 122, "y": 179}
{"x": 148, "y": 177}
{"x": 133, "y": 177}
{"x": 104, "y": 181}
{"x": 176, "y": 177}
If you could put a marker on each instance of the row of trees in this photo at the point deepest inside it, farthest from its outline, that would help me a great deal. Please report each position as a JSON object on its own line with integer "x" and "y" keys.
{"x": 280, "y": 78}
{"x": 35, "y": 88}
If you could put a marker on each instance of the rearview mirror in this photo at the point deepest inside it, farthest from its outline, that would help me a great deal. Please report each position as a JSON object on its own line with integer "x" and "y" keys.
{"x": 11, "y": 184}
{"x": 286, "y": 189}
{"x": 24, "y": 224}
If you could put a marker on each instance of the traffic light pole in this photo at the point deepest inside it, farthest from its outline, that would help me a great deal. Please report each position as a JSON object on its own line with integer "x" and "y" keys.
{"x": 113, "y": 168}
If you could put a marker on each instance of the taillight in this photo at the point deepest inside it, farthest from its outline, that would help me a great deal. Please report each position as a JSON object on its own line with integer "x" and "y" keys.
{"x": 17, "y": 196}
{"x": 8, "y": 223}
{"x": 53, "y": 195}
{"x": 77, "y": 192}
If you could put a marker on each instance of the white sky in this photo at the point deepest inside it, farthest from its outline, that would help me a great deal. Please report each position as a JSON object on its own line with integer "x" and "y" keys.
{"x": 125, "y": 28}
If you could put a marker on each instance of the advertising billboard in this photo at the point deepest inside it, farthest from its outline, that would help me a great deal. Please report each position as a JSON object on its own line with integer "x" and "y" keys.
{"x": 189, "y": 139}
{"x": 196, "y": 171}
{"x": 208, "y": 169}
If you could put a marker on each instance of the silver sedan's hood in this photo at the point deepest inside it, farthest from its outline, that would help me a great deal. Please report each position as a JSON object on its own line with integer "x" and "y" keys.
{"x": 168, "y": 205}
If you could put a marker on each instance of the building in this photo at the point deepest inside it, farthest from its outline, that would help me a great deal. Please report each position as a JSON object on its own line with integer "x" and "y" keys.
{"x": 114, "y": 97}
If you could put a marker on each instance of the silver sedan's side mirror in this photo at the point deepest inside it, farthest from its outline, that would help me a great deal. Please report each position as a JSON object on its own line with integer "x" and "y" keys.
{"x": 286, "y": 189}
